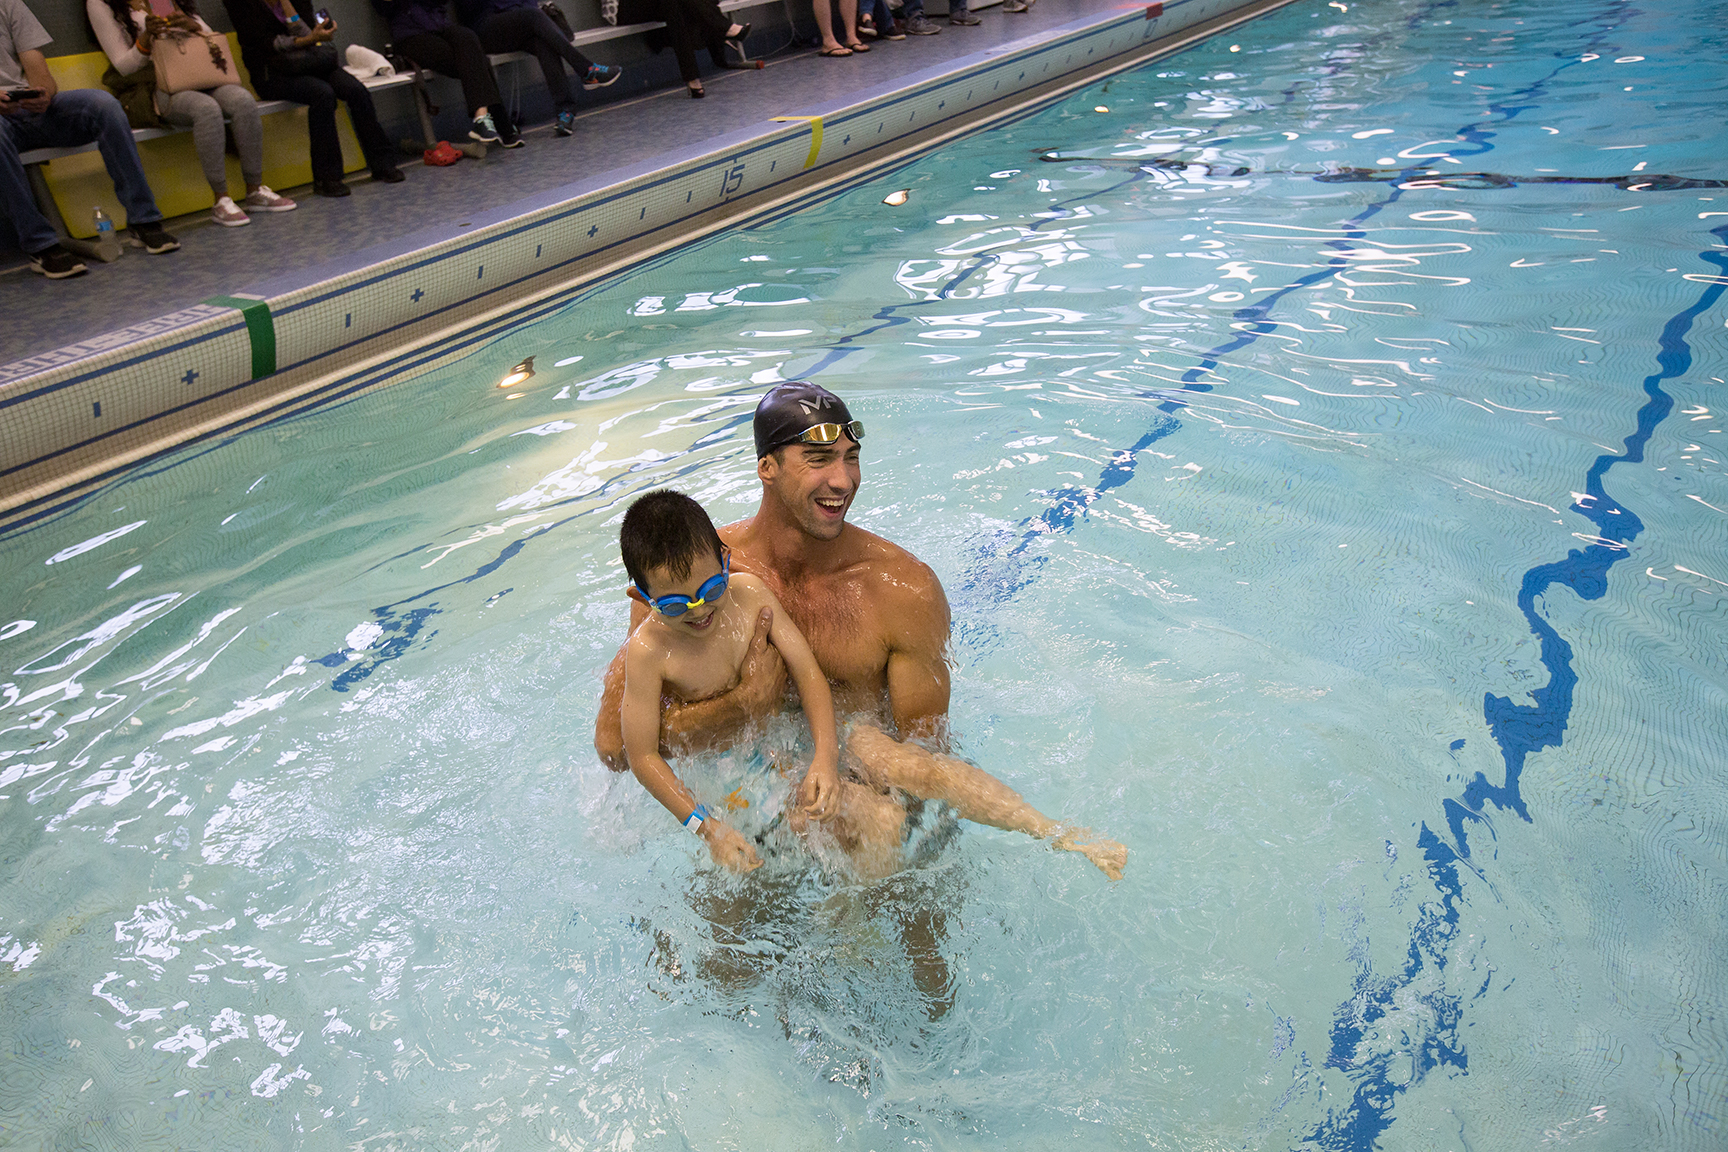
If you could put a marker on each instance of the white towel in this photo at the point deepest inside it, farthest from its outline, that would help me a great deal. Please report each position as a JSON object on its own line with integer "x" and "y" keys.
{"x": 363, "y": 62}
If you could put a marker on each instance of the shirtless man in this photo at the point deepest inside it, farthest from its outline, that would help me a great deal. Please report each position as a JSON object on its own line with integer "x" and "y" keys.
{"x": 877, "y": 620}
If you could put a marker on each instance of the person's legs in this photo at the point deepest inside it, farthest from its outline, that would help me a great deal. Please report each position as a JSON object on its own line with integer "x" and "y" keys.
{"x": 822, "y": 10}
{"x": 974, "y": 794}
{"x": 456, "y": 52}
{"x": 320, "y": 101}
{"x": 531, "y": 30}
{"x": 917, "y": 24}
{"x": 957, "y": 13}
{"x": 247, "y": 126}
{"x": 373, "y": 143}
{"x": 681, "y": 29}
{"x": 200, "y": 112}
{"x": 85, "y": 114}
{"x": 21, "y": 134}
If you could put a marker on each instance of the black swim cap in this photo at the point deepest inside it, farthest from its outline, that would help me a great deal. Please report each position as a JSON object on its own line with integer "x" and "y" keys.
{"x": 790, "y": 409}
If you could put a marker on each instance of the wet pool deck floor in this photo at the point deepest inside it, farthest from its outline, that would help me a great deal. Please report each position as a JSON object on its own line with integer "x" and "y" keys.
{"x": 302, "y": 247}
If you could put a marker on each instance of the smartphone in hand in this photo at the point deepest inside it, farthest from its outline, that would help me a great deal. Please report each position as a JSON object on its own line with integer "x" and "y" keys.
{"x": 322, "y": 17}
{"x": 18, "y": 95}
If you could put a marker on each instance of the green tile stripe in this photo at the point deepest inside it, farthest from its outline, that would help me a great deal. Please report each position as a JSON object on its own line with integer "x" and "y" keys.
{"x": 259, "y": 326}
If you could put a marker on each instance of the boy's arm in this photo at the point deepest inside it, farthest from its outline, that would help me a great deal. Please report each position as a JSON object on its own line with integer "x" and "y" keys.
{"x": 820, "y": 791}
{"x": 640, "y": 713}
{"x": 699, "y": 724}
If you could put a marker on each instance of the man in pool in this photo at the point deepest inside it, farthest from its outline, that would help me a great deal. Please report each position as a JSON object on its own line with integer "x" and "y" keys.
{"x": 875, "y": 618}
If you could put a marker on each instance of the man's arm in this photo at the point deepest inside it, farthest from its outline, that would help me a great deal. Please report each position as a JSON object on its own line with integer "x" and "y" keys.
{"x": 918, "y": 685}
{"x": 698, "y": 724}
{"x": 35, "y": 67}
{"x": 641, "y": 724}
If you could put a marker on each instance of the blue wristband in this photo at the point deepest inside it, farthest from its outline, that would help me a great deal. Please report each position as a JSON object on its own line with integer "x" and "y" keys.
{"x": 697, "y": 816}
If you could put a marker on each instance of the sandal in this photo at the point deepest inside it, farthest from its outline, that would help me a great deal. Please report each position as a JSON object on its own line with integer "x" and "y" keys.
{"x": 859, "y": 46}
{"x": 842, "y": 51}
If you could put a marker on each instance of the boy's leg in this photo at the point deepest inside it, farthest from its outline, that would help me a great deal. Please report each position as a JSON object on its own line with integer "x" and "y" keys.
{"x": 974, "y": 793}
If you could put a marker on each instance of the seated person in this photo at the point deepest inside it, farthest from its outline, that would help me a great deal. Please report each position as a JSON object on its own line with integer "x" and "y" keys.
{"x": 290, "y": 57}
{"x": 520, "y": 26}
{"x": 691, "y": 24}
{"x": 423, "y": 31}
{"x": 41, "y": 116}
{"x": 127, "y": 31}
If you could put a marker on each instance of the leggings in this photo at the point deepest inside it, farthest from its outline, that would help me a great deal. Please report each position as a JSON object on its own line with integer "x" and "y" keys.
{"x": 456, "y": 51}
{"x": 319, "y": 94}
{"x": 690, "y": 23}
{"x": 531, "y": 30}
{"x": 203, "y": 112}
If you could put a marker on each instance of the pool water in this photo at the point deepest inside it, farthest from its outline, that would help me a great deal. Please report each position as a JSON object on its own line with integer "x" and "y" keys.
{"x": 1319, "y": 435}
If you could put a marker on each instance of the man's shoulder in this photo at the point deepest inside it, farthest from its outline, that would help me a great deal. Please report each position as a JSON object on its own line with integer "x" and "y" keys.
{"x": 879, "y": 555}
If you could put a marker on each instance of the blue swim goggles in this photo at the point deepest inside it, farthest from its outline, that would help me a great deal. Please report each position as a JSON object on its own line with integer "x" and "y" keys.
{"x": 712, "y": 589}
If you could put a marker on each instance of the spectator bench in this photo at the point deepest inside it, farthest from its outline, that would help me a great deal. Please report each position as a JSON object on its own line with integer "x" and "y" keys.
{"x": 171, "y": 163}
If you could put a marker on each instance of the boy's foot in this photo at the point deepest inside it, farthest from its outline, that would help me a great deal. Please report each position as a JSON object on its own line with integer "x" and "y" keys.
{"x": 1109, "y": 856}
{"x": 228, "y": 214}
{"x": 921, "y": 25}
{"x": 151, "y": 238}
{"x": 600, "y": 75}
{"x": 330, "y": 188}
{"x": 896, "y": 31}
{"x": 963, "y": 18}
{"x": 387, "y": 173}
{"x": 566, "y": 123}
{"x": 484, "y": 130}
{"x": 56, "y": 263}
{"x": 261, "y": 199}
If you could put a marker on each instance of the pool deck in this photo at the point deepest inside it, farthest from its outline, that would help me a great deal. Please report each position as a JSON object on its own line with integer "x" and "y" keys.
{"x": 243, "y": 326}
{"x": 294, "y": 249}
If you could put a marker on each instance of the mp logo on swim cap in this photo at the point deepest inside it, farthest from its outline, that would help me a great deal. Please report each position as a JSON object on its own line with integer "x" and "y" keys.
{"x": 821, "y": 403}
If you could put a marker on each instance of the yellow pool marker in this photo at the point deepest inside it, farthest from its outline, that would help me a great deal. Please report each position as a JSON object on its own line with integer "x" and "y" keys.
{"x": 815, "y": 123}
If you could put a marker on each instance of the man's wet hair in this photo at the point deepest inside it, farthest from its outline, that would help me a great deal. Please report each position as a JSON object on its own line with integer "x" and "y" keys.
{"x": 665, "y": 529}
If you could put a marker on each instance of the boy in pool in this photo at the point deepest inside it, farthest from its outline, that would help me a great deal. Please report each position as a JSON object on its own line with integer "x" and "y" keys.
{"x": 693, "y": 647}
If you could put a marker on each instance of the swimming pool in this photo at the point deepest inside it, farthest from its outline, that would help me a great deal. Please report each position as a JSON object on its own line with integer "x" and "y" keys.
{"x": 1344, "y": 534}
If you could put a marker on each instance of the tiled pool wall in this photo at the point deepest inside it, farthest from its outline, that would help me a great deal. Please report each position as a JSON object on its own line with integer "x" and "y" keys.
{"x": 75, "y": 415}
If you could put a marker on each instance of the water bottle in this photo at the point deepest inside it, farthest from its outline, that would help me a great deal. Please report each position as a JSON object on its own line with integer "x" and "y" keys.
{"x": 107, "y": 244}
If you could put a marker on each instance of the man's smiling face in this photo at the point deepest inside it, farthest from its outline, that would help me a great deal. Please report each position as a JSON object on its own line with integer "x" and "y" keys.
{"x": 814, "y": 484}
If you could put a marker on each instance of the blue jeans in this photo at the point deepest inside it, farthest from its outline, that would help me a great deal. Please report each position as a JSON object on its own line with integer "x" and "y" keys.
{"x": 916, "y": 8}
{"x": 72, "y": 118}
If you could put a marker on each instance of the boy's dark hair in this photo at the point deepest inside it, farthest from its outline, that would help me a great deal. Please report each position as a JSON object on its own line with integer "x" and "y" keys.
{"x": 665, "y": 529}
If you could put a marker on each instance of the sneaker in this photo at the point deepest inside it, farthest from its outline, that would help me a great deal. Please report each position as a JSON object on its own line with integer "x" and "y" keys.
{"x": 264, "y": 200}
{"x": 509, "y": 136}
{"x": 484, "y": 130}
{"x": 896, "y": 31}
{"x": 151, "y": 238}
{"x": 228, "y": 214}
{"x": 1018, "y": 5}
{"x": 56, "y": 263}
{"x": 963, "y": 18}
{"x": 600, "y": 75}
{"x": 566, "y": 123}
{"x": 921, "y": 25}
{"x": 867, "y": 27}
{"x": 330, "y": 188}
{"x": 387, "y": 173}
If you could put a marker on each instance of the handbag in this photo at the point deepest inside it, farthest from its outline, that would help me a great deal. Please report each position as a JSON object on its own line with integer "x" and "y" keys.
{"x": 137, "y": 96}
{"x": 317, "y": 60}
{"x": 187, "y": 61}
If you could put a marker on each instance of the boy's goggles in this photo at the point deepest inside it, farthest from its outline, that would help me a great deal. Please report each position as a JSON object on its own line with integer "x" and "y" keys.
{"x": 712, "y": 589}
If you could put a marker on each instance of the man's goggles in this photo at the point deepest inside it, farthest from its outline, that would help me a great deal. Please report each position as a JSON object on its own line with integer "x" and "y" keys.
{"x": 829, "y": 433}
{"x": 712, "y": 589}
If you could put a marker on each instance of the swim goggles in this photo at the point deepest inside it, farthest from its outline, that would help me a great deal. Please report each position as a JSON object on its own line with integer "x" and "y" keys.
{"x": 712, "y": 589}
{"x": 829, "y": 433}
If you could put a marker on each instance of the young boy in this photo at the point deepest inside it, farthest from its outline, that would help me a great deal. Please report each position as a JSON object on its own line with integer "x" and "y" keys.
{"x": 693, "y": 645}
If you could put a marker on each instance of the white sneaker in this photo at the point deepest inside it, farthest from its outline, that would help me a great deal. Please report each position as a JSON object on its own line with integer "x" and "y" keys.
{"x": 228, "y": 214}
{"x": 265, "y": 200}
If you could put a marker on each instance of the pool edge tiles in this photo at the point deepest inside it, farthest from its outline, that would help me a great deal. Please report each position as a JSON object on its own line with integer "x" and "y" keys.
{"x": 78, "y": 414}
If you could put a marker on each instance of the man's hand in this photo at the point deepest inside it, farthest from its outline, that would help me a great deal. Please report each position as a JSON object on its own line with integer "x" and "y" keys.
{"x": 819, "y": 794}
{"x": 762, "y": 679}
{"x": 38, "y": 104}
{"x": 729, "y": 849}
